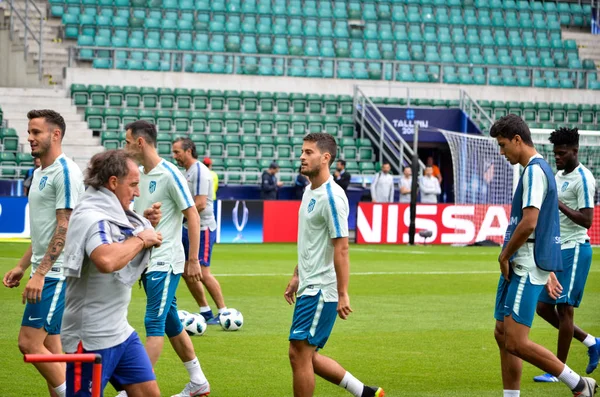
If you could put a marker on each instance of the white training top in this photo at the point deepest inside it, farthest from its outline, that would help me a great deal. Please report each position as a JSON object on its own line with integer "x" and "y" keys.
{"x": 382, "y": 188}
{"x": 576, "y": 190}
{"x": 165, "y": 184}
{"x": 58, "y": 186}
{"x": 405, "y": 183}
{"x": 535, "y": 188}
{"x": 200, "y": 181}
{"x": 323, "y": 216}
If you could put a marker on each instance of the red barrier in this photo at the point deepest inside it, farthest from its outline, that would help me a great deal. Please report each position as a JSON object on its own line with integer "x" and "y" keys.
{"x": 74, "y": 358}
{"x": 280, "y": 221}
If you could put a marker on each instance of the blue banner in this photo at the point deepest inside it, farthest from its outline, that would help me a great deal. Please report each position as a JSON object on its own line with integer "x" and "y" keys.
{"x": 14, "y": 217}
{"x": 428, "y": 119}
{"x": 240, "y": 221}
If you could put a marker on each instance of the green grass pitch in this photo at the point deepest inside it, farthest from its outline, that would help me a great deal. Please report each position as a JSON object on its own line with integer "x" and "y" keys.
{"x": 422, "y": 325}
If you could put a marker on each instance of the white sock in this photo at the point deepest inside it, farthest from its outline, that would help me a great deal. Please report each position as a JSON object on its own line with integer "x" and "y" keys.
{"x": 569, "y": 377}
{"x": 353, "y": 385}
{"x": 589, "y": 341}
{"x": 204, "y": 309}
{"x": 61, "y": 390}
{"x": 223, "y": 309}
{"x": 512, "y": 393}
{"x": 196, "y": 374}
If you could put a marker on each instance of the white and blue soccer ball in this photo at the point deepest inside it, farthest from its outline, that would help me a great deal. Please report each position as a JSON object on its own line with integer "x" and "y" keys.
{"x": 183, "y": 314}
{"x": 231, "y": 320}
{"x": 194, "y": 324}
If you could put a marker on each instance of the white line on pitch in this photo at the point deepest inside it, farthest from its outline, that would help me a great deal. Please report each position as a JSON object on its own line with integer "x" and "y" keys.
{"x": 413, "y": 252}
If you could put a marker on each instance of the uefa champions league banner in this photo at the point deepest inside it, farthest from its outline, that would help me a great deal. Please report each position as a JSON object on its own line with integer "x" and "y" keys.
{"x": 405, "y": 119}
{"x": 239, "y": 221}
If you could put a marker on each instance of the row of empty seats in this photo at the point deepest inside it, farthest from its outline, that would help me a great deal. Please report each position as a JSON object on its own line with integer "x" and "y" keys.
{"x": 353, "y": 10}
{"x": 433, "y": 31}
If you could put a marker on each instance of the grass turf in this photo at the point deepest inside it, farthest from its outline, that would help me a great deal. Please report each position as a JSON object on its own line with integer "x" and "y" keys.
{"x": 422, "y": 325}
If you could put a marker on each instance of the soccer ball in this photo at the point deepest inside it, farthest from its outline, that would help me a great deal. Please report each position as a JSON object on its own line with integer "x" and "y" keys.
{"x": 231, "y": 320}
{"x": 195, "y": 324}
{"x": 183, "y": 314}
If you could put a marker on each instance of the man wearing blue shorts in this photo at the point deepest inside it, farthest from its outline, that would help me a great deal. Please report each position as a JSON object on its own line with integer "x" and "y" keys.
{"x": 200, "y": 182}
{"x": 108, "y": 247}
{"x": 576, "y": 189}
{"x": 320, "y": 281}
{"x": 530, "y": 253}
{"x": 54, "y": 192}
{"x": 161, "y": 182}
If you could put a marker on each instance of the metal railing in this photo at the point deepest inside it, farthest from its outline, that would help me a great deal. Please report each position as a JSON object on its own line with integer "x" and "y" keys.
{"x": 28, "y": 31}
{"x": 375, "y": 126}
{"x": 475, "y": 112}
{"x": 285, "y": 65}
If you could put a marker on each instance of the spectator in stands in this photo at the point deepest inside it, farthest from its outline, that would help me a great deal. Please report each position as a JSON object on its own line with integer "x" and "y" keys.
{"x": 29, "y": 175}
{"x": 301, "y": 183}
{"x": 436, "y": 170}
{"x": 208, "y": 162}
{"x": 341, "y": 176}
{"x": 429, "y": 186}
{"x": 382, "y": 188}
{"x": 405, "y": 185}
{"x": 269, "y": 183}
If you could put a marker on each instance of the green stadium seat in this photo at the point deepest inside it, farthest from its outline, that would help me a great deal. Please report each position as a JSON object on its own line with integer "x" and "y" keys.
{"x": 9, "y": 139}
{"x": 24, "y": 159}
{"x": 163, "y": 144}
{"x": 110, "y": 140}
{"x": 79, "y": 94}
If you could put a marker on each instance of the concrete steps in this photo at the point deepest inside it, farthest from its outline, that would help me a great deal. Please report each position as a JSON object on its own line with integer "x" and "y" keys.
{"x": 55, "y": 54}
{"x": 79, "y": 142}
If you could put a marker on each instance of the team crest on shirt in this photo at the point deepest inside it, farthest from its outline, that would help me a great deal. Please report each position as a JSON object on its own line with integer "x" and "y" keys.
{"x": 43, "y": 182}
{"x": 152, "y": 186}
{"x": 564, "y": 186}
{"x": 311, "y": 205}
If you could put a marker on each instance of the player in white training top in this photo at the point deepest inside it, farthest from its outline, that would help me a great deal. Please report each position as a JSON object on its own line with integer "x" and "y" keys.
{"x": 576, "y": 189}
{"x": 161, "y": 181}
{"x": 320, "y": 281}
{"x": 54, "y": 192}
{"x": 200, "y": 181}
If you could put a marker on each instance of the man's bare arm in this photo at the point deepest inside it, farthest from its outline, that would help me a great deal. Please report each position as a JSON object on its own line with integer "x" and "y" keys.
{"x": 57, "y": 243}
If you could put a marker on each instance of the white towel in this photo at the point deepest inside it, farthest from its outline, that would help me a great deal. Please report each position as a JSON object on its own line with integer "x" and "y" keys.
{"x": 102, "y": 205}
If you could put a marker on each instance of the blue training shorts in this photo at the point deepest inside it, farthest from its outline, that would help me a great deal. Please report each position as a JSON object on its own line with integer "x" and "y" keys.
{"x": 576, "y": 267}
{"x": 313, "y": 319}
{"x": 207, "y": 240}
{"x": 517, "y": 298}
{"x": 48, "y": 312}
{"x": 124, "y": 364}
{"x": 161, "y": 304}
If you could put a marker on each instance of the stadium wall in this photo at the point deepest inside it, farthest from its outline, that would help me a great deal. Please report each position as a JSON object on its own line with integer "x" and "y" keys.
{"x": 13, "y": 68}
{"x": 323, "y": 86}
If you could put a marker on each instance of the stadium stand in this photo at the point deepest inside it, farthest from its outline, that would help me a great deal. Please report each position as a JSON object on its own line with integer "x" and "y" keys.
{"x": 240, "y": 131}
{"x": 486, "y": 42}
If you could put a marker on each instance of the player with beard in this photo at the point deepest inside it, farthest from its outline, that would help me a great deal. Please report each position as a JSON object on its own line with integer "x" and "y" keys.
{"x": 320, "y": 280}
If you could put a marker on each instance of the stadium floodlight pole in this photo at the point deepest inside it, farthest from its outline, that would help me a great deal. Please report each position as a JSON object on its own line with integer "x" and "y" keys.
{"x": 413, "y": 188}
{"x": 94, "y": 358}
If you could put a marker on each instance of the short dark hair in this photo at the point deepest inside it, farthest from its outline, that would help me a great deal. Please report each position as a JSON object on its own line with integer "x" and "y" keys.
{"x": 325, "y": 142}
{"x": 106, "y": 164}
{"x": 565, "y": 136}
{"x": 144, "y": 129}
{"x": 342, "y": 162}
{"x": 510, "y": 126}
{"x": 50, "y": 117}
{"x": 188, "y": 144}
